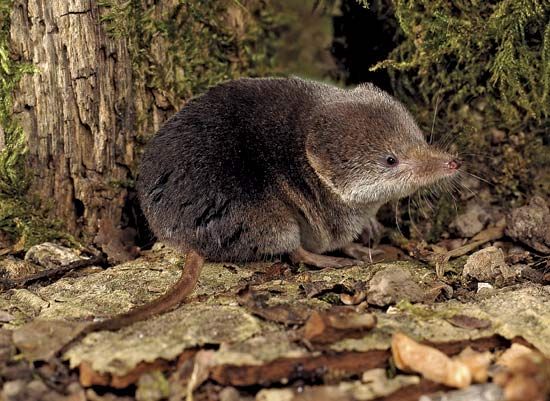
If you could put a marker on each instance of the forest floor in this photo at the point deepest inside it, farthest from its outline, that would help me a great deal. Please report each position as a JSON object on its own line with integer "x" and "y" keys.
{"x": 465, "y": 319}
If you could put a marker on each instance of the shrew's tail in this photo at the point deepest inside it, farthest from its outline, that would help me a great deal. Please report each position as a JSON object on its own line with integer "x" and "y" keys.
{"x": 171, "y": 299}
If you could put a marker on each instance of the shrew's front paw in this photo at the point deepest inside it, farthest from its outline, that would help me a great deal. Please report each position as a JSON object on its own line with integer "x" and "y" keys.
{"x": 372, "y": 232}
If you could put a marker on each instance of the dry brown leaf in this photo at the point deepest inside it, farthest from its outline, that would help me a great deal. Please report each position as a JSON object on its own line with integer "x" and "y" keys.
{"x": 509, "y": 358}
{"x": 201, "y": 371}
{"x": 355, "y": 299}
{"x": 477, "y": 362}
{"x": 337, "y": 323}
{"x": 89, "y": 377}
{"x": 522, "y": 388}
{"x": 468, "y": 322}
{"x": 410, "y": 356}
{"x": 257, "y": 303}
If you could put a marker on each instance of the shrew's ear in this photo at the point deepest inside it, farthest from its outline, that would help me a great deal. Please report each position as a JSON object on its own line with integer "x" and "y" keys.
{"x": 321, "y": 136}
{"x": 332, "y": 144}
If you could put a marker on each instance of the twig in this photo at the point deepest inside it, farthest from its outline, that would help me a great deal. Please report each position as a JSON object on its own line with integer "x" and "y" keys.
{"x": 6, "y": 284}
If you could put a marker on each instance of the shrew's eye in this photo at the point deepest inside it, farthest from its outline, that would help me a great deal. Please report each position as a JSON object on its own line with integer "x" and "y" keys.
{"x": 391, "y": 161}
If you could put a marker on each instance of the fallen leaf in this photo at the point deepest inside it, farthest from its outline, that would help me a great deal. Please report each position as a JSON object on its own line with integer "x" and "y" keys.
{"x": 433, "y": 364}
{"x": 288, "y": 313}
{"x": 309, "y": 367}
{"x": 89, "y": 377}
{"x": 316, "y": 288}
{"x": 201, "y": 371}
{"x": 336, "y": 324}
{"x": 477, "y": 362}
{"x": 468, "y": 322}
{"x": 355, "y": 299}
{"x": 438, "y": 290}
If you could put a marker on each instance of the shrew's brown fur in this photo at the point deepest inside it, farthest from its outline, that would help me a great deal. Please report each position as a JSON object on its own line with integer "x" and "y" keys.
{"x": 261, "y": 167}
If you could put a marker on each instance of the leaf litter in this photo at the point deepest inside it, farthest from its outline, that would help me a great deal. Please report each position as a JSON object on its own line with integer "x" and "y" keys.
{"x": 385, "y": 331}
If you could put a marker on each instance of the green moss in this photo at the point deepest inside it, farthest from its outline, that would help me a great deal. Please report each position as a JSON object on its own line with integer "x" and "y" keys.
{"x": 23, "y": 221}
{"x": 204, "y": 43}
{"x": 487, "y": 65}
{"x": 425, "y": 312}
{"x": 13, "y": 178}
{"x": 128, "y": 184}
{"x": 303, "y": 25}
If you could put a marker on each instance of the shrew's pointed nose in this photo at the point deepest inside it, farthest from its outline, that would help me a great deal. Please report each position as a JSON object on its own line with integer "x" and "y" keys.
{"x": 454, "y": 164}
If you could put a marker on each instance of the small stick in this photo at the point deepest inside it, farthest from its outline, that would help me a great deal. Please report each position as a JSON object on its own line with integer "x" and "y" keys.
{"x": 6, "y": 284}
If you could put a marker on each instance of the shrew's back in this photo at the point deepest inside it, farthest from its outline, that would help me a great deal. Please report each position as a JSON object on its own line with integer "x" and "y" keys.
{"x": 220, "y": 156}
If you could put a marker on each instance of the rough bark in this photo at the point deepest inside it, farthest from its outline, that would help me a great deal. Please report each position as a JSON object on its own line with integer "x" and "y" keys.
{"x": 79, "y": 110}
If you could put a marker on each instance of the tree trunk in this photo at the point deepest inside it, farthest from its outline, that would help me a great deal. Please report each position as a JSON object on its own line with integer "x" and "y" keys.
{"x": 109, "y": 73}
{"x": 78, "y": 111}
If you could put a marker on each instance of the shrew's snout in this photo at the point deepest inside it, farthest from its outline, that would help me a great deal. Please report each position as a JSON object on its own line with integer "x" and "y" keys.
{"x": 454, "y": 164}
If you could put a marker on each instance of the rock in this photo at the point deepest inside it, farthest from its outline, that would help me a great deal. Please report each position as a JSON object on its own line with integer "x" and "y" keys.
{"x": 6, "y": 317}
{"x": 523, "y": 374}
{"x": 36, "y": 389}
{"x": 14, "y": 269}
{"x": 7, "y": 348}
{"x": 13, "y": 390}
{"x": 393, "y": 284}
{"x": 230, "y": 394}
{"x": 477, "y": 392}
{"x": 488, "y": 265}
{"x": 472, "y": 221}
{"x": 41, "y": 339}
{"x": 285, "y": 394}
{"x": 52, "y": 255}
{"x": 529, "y": 225}
{"x": 158, "y": 246}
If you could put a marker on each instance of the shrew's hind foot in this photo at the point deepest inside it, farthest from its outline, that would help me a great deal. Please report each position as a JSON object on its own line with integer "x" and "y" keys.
{"x": 321, "y": 261}
{"x": 358, "y": 251}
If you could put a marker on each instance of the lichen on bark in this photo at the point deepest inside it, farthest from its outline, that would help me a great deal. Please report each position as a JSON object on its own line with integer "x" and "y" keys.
{"x": 13, "y": 180}
{"x": 179, "y": 49}
{"x": 23, "y": 221}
